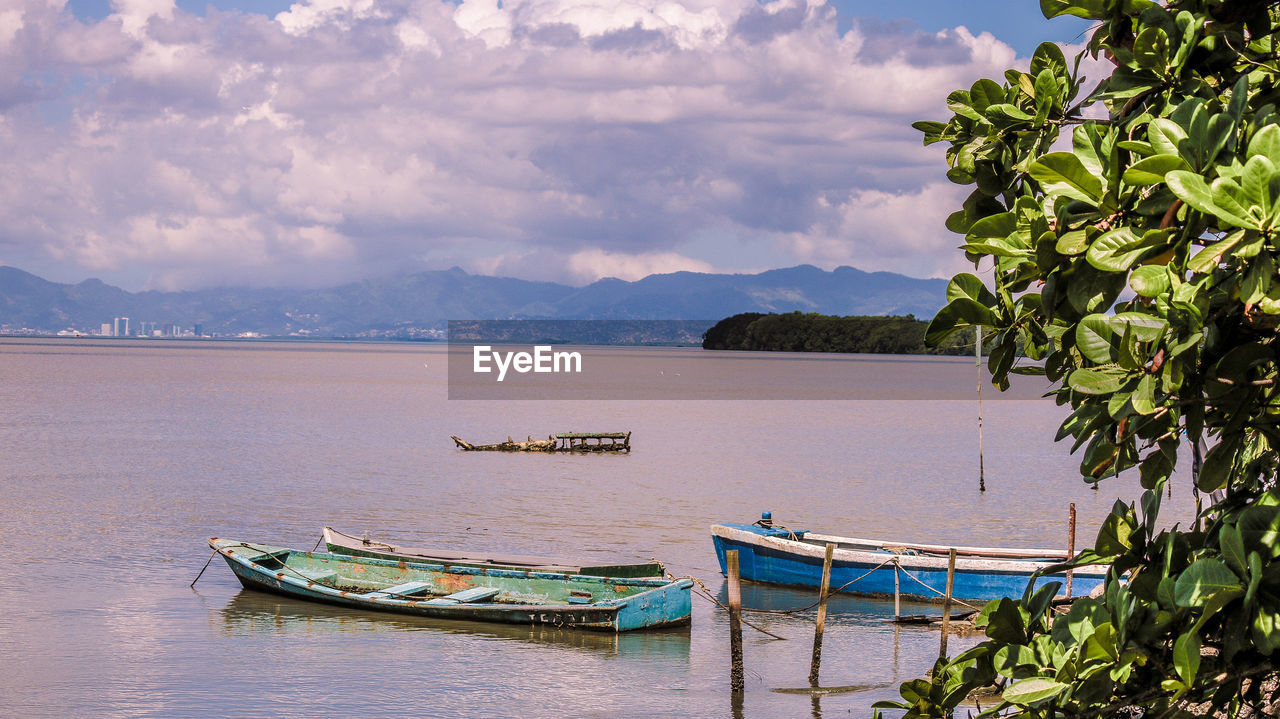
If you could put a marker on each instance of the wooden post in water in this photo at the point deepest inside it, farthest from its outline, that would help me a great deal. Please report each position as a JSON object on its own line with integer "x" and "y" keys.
{"x": 737, "y": 681}
{"x": 977, "y": 356}
{"x": 1071, "y": 544}
{"x": 822, "y": 616}
{"x": 946, "y": 602}
{"x": 897, "y": 593}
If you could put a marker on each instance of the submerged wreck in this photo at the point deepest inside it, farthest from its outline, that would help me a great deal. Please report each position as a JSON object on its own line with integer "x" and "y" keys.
{"x": 560, "y": 442}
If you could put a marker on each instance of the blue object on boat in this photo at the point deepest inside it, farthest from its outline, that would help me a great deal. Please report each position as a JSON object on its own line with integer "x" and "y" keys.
{"x": 774, "y": 554}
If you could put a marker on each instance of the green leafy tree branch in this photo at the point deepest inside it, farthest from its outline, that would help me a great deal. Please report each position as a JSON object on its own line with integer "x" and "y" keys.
{"x": 1141, "y": 268}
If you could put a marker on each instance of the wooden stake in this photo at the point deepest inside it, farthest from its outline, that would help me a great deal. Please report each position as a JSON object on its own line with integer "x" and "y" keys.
{"x": 977, "y": 355}
{"x": 897, "y": 592}
{"x": 822, "y": 616}
{"x": 737, "y": 680}
{"x": 946, "y": 601}
{"x": 1071, "y": 544}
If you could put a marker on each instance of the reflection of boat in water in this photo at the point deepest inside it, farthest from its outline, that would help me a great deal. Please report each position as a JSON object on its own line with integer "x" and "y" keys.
{"x": 338, "y": 543}
{"x": 612, "y": 604}
{"x": 250, "y": 613}
{"x": 777, "y": 555}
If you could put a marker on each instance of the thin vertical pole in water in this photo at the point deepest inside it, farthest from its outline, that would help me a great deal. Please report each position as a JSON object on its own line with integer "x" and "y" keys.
{"x": 946, "y": 601}
{"x": 822, "y": 616}
{"x": 736, "y": 679}
{"x": 897, "y": 592}
{"x": 1071, "y": 544}
{"x": 977, "y": 356}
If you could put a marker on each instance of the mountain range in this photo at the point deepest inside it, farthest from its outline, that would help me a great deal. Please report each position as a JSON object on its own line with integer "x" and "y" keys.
{"x": 419, "y": 304}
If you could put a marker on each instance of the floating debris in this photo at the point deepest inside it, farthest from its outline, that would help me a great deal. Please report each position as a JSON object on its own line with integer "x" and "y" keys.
{"x": 561, "y": 442}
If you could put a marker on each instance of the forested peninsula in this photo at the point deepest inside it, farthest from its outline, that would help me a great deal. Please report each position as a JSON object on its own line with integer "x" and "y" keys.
{"x": 812, "y": 332}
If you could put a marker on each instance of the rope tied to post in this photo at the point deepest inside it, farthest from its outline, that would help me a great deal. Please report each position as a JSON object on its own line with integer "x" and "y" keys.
{"x": 832, "y": 591}
{"x": 922, "y": 583}
{"x": 706, "y": 594}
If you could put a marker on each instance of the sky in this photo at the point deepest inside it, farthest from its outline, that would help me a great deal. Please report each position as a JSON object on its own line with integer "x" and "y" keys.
{"x": 186, "y": 144}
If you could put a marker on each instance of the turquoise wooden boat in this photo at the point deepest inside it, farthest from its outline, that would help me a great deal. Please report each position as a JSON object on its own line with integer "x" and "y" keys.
{"x": 609, "y": 604}
{"x": 777, "y": 555}
{"x": 338, "y": 543}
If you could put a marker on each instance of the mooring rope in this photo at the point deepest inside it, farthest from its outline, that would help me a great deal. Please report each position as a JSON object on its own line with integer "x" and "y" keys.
{"x": 892, "y": 560}
{"x": 829, "y": 592}
{"x": 206, "y": 566}
{"x": 706, "y": 593}
{"x": 940, "y": 594}
{"x": 304, "y": 577}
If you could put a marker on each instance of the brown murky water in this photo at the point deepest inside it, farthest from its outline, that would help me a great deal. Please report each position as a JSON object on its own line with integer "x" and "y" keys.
{"x": 122, "y": 457}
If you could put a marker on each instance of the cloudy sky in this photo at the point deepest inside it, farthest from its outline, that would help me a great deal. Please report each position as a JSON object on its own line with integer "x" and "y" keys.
{"x": 178, "y": 145}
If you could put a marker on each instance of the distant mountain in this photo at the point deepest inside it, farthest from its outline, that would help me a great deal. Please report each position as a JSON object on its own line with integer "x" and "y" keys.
{"x": 418, "y": 305}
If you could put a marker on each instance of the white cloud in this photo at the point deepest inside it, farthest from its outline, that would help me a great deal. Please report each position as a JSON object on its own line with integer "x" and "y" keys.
{"x": 135, "y": 14}
{"x": 556, "y": 139}
{"x": 587, "y": 265}
{"x": 878, "y": 230}
{"x": 311, "y": 14}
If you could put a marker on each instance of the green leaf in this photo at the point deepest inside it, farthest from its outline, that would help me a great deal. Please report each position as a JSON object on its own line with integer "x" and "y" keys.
{"x": 1166, "y": 136}
{"x": 965, "y": 285}
{"x": 1005, "y": 622}
{"x": 1101, "y": 645}
{"x": 1145, "y": 327}
{"x": 1087, "y": 9}
{"x": 985, "y": 93}
{"x": 1266, "y": 142}
{"x": 994, "y": 227}
{"x": 1039, "y": 602}
{"x": 1186, "y": 656}
{"x": 1138, "y": 147}
{"x": 1094, "y": 337}
{"x": 1265, "y": 631}
{"x": 1150, "y": 281}
{"x": 1097, "y": 381}
{"x": 1120, "y": 249}
{"x": 1047, "y": 91}
{"x": 1032, "y": 691}
{"x": 959, "y": 313}
{"x": 1143, "y": 397}
{"x": 1062, "y": 173}
{"x": 1231, "y": 201}
{"x": 1216, "y": 470}
{"x": 1207, "y": 260}
{"x": 1232, "y": 544}
{"x": 1151, "y": 170}
{"x": 1192, "y": 189}
{"x": 1013, "y": 112}
{"x": 1010, "y": 657}
{"x": 1072, "y": 243}
{"x": 1260, "y": 530}
{"x": 933, "y": 131}
{"x": 1151, "y": 49}
{"x": 959, "y": 103}
{"x": 1114, "y": 535}
{"x": 1203, "y": 580}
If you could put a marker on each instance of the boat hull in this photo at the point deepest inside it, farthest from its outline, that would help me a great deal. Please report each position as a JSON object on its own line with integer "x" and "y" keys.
{"x": 779, "y": 557}
{"x": 651, "y": 604}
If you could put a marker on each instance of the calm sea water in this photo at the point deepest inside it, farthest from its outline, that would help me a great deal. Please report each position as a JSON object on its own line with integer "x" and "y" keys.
{"x": 122, "y": 457}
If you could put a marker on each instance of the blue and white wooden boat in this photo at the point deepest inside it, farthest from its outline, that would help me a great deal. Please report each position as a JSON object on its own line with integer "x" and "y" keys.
{"x": 776, "y": 555}
{"x": 610, "y": 604}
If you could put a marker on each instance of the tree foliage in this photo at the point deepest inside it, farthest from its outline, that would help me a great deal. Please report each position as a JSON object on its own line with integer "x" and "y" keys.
{"x": 812, "y": 332}
{"x": 1133, "y": 229}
